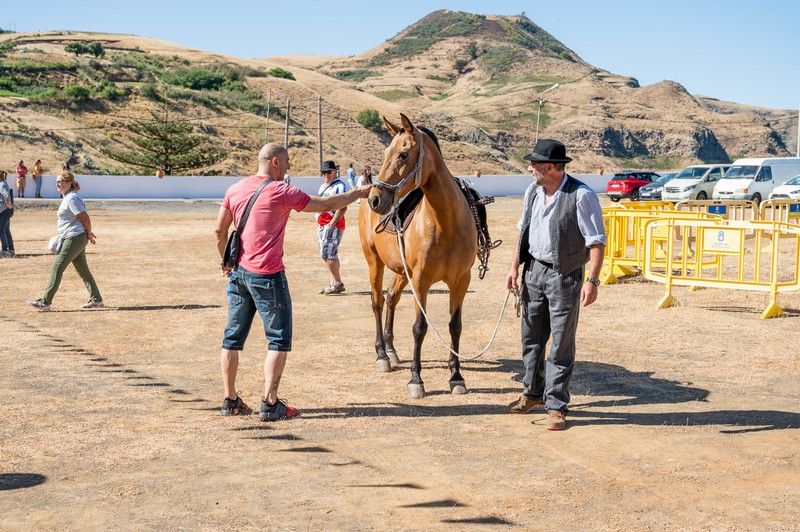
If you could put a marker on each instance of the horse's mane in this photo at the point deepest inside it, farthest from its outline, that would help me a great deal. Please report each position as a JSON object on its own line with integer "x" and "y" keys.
{"x": 431, "y": 134}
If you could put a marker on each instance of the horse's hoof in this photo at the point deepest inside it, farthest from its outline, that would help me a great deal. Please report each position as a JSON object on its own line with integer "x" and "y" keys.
{"x": 458, "y": 387}
{"x": 393, "y": 358}
{"x": 382, "y": 365}
{"x": 416, "y": 391}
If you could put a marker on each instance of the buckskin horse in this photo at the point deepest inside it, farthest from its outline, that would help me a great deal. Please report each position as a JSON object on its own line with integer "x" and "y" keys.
{"x": 440, "y": 243}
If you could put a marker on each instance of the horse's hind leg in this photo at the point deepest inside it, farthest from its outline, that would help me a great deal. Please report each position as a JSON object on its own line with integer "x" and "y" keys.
{"x": 382, "y": 363}
{"x": 392, "y": 298}
{"x": 457, "y": 292}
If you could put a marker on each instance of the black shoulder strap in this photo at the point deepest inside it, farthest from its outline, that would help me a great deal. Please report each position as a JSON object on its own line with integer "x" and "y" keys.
{"x": 250, "y": 204}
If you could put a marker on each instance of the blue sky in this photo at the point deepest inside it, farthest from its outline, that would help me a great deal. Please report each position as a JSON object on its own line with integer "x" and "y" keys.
{"x": 734, "y": 50}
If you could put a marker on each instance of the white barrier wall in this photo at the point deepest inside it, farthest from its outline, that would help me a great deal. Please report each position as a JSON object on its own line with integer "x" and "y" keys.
{"x": 213, "y": 187}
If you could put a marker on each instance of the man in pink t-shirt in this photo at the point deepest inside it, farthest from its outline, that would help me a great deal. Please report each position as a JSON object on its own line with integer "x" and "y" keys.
{"x": 258, "y": 283}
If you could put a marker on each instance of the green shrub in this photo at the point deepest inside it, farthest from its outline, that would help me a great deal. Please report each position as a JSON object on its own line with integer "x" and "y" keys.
{"x": 108, "y": 90}
{"x": 235, "y": 86}
{"x": 149, "y": 91}
{"x": 393, "y": 95}
{"x": 460, "y": 65}
{"x": 91, "y": 48}
{"x": 77, "y": 93}
{"x": 278, "y": 72}
{"x": 6, "y": 47}
{"x": 498, "y": 60}
{"x": 355, "y": 75}
{"x": 370, "y": 119}
{"x": 195, "y": 78}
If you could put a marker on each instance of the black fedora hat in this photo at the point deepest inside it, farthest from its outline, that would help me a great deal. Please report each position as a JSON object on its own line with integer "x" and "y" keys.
{"x": 328, "y": 166}
{"x": 548, "y": 151}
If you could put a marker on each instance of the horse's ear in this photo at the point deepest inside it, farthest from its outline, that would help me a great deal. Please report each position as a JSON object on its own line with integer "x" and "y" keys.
{"x": 407, "y": 125}
{"x": 393, "y": 129}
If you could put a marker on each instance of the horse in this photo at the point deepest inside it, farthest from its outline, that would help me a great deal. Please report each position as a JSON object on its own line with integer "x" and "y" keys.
{"x": 440, "y": 244}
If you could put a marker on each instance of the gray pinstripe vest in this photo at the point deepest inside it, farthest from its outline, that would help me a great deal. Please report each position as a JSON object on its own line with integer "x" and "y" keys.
{"x": 570, "y": 251}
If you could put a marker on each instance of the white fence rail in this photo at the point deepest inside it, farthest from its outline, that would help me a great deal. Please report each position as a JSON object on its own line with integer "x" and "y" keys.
{"x": 214, "y": 187}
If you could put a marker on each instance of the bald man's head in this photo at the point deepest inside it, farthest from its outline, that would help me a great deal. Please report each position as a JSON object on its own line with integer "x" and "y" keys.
{"x": 267, "y": 155}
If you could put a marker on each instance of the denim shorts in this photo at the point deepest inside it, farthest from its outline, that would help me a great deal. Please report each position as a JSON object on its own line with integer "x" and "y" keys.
{"x": 249, "y": 292}
{"x": 329, "y": 239}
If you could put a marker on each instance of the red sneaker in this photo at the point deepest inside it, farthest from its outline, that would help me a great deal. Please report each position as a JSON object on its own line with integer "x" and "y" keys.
{"x": 279, "y": 410}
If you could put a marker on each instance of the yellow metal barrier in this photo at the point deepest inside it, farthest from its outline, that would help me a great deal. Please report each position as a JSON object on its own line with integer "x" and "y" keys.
{"x": 625, "y": 239}
{"x": 724, "y": 258}
{"x": 731, "y": 210}
{"x": 780, "y": 210}
{"x": 647, "y": 205}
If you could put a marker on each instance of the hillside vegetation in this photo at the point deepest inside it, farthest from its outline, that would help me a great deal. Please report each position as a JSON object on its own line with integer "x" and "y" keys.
{"x": 474, "y": 79}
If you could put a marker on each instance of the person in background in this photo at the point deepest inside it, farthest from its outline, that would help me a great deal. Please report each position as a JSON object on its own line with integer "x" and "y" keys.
{"x": 6, "y": 212}
{"x": 22, "y": 172}
{"x": 75, "y": 226}
{"x": 477, "y": 173}
{"x": 258, "y": 283}
{"x": 331, "y": 227}
{"x": 37, "y": 177}
{"x": 160, "y": 173}
{"x": 351, "y": 176}
{"x": 365, "y": 178}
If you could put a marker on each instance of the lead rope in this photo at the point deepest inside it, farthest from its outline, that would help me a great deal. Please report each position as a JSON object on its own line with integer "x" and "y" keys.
{"x": 515, "y": 293}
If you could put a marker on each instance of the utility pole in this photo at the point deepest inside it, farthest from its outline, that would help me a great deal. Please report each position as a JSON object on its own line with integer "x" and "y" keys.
{"x": 319, "y": 127}
{"x": 286, "y": 126}
{"x": 266, "y": 125}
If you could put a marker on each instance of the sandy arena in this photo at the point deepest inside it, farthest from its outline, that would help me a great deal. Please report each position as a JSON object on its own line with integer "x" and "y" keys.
{"x": 687, "y": 418}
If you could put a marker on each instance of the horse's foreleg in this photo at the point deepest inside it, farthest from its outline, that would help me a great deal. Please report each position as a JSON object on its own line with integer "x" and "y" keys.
{"x": 457, "y": 293}
{"x": 392, "y": 298}
{"x": 376, "y": 283}
{"x": 416, "y": 388}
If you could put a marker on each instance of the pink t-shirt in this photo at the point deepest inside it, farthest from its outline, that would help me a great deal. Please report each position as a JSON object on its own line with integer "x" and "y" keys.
{"x": 262, "y": 238}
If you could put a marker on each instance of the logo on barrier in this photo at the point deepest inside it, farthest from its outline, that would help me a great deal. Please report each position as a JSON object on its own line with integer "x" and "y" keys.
{"x": 794, "y": 210}
{"x": 717, "y": 209}
{"x": 723, "y": 241}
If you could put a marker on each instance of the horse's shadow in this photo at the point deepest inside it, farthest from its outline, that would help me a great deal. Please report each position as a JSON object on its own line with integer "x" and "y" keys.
{"x": 610, "y": 384}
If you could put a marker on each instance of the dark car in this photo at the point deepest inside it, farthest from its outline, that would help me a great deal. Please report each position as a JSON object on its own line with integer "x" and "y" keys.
{"x": 627, "y": 184}
{"x": 653, "y": 190}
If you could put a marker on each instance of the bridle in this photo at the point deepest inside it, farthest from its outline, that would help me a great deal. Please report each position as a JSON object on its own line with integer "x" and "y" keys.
{"x": 416, "y": 171}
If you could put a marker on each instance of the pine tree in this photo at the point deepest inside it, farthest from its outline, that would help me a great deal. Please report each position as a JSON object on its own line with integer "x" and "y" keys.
{"x": 166, "y": 143}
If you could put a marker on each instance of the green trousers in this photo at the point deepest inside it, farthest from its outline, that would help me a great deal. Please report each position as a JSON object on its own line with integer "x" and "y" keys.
{"x": 73, "y": 251}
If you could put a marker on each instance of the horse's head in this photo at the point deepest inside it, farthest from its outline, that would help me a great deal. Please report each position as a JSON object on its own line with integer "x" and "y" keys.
{"x": 401, "y": 170}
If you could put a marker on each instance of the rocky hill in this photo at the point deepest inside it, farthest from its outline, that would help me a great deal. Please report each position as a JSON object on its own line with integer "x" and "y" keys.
{"x": 473, "y": 79}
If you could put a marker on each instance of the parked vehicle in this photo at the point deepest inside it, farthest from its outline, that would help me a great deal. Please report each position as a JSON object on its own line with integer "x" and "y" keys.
{"x": 654, "y": 190}
{"x": 627, "y": 184}
{"x": 694, "y": 182}
{"x": 754, "y": 179}
{"x": 788, "y": 190}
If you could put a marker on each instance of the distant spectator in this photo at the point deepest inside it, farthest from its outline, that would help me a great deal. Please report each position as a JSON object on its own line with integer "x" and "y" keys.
{"x": 160, "y": 173}
{"x": 477, "y": 173}
{"x": 22, "y": 172}
{"x": 37, "y": 177}
{"x": 66, "y": 166}
{"x": 75, "y": 226}
{"x": 365, "y": 178}
{"x": 351, "y": 176}
{"x": 6, "y": 212}
{"x": 330, "y": 227}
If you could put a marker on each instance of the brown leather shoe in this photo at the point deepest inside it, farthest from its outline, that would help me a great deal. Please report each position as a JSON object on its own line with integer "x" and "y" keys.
{"x": 524, "y": 404}
{"x": 556, "y": 420}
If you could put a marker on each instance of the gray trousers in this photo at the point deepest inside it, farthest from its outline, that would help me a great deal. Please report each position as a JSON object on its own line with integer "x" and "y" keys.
{"x": 551, "y": 303}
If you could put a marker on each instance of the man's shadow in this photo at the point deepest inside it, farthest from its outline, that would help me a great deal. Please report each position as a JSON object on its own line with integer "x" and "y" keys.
{"x": 607, "y": 386}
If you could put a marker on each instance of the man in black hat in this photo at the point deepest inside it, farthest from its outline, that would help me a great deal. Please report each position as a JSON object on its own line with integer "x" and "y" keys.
{"x": 561, "y": 230}
{"x": 330, "y": 227}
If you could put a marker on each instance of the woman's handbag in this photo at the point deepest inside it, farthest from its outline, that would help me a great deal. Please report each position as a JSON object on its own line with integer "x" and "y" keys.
{"x": 234, "y": 245}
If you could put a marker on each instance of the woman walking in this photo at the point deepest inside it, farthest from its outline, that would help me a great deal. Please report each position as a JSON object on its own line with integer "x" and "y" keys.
{"x": 21, "y": 171}
{"x": 75, "y": 227}
{"x": 6, "y": 212}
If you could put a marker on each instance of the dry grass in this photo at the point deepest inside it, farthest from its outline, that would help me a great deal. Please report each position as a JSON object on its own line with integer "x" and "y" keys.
{"x": 686, "y": 418}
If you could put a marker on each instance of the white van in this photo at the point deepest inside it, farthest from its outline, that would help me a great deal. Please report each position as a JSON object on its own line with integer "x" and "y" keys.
{"x": 754, "y": 179}
{"x": 694, "y": 182}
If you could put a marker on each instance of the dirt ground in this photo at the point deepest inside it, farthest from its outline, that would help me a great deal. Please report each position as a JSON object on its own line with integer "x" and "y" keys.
{"x": 680, "y": 418}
